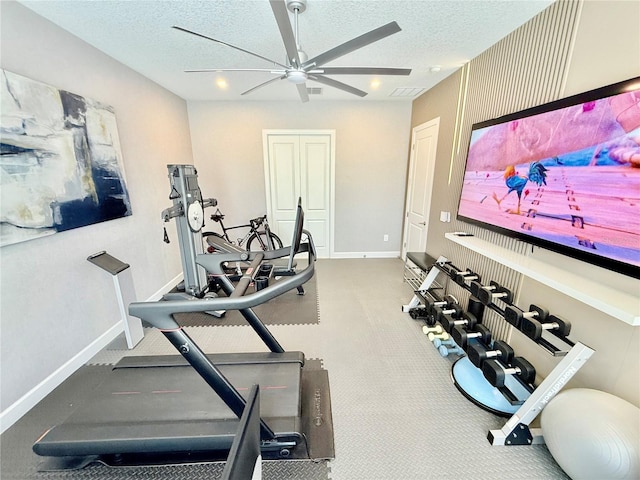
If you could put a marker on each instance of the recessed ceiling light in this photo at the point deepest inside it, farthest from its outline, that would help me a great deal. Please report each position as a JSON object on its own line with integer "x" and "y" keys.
{"x": 221, "y": 83}
{"x": 375, "y": 83}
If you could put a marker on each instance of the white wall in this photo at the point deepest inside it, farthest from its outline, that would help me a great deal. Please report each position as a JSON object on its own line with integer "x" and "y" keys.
{"x": 54, "y": 304}
{"x": 372, "y": 141}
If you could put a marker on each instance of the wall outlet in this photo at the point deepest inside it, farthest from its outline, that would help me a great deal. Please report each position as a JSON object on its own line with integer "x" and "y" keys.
{"x": 445, "y": 216}
{"x": 385, "y": 238}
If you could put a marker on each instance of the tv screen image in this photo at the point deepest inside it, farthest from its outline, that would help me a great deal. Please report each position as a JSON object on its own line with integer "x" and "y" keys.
{"x": 564, "y": 175}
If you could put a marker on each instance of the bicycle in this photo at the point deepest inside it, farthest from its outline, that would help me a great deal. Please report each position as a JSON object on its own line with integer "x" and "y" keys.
{"x": 263, "y": 239}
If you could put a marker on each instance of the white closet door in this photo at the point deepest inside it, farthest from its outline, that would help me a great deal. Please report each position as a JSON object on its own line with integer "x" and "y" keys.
{"x": 300, "y": 165}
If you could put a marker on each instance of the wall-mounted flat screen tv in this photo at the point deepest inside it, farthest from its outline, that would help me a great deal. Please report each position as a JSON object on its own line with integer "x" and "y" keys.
{"x": 564, "y": 176}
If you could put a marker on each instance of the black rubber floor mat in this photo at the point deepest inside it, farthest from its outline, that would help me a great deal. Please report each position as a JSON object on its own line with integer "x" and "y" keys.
{"x": 316, "y": 414}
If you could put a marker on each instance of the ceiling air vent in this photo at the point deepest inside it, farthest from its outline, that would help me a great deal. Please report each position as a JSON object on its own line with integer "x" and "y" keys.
{"x": 314, "y": 90}
{"x": 407, "y": 92}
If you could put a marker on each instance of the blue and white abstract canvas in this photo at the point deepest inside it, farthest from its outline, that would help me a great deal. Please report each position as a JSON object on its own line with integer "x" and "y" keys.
{"x": 60, "y": 163}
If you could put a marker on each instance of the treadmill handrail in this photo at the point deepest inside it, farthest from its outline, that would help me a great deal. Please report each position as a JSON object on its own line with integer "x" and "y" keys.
{"x": 160, "y": 313}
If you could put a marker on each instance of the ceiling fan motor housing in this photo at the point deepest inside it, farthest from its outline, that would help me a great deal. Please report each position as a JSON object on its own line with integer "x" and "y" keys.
{"x": 299, "y": 5}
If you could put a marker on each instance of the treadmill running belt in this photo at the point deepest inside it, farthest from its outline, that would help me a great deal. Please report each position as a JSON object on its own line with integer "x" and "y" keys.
{"x": 155, "y": 409}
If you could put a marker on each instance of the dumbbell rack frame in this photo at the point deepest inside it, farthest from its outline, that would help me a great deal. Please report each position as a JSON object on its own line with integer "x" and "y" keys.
{"x": 516, "y": 430}
{"x": 427, "y": 283}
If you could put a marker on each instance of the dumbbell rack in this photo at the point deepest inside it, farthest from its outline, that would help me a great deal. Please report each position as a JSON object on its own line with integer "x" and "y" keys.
{"x": 516, "y": 430}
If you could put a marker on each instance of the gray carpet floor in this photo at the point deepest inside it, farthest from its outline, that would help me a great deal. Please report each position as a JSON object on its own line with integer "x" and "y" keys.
{"x": 396, "y": 413}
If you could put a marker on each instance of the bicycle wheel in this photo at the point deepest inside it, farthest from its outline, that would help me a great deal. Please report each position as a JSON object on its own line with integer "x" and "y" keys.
{"x": 255, "y": 244}
{"x": 209, "y": 248}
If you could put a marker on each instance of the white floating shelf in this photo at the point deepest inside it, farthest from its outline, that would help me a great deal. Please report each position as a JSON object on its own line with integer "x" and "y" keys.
{"x": 621, "y": 305}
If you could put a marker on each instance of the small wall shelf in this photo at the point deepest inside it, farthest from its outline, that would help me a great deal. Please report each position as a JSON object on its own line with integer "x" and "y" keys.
{"x": 621, "y": 305}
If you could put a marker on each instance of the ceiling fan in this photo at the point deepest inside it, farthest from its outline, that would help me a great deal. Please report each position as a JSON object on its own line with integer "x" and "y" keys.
{"x": 299, "y": 68}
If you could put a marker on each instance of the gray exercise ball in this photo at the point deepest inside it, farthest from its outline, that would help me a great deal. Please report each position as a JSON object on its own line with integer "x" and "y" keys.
{"x": 593, "y": 434}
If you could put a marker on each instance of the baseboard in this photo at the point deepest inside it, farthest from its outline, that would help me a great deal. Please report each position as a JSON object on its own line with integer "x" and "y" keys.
{"x": 167, "y": 287}
{"x": 365, "y": 255}
{"x": 15, "y": 411}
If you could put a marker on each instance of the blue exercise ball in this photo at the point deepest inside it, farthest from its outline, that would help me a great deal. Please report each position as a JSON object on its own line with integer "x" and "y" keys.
{"x": 593, "y": 434}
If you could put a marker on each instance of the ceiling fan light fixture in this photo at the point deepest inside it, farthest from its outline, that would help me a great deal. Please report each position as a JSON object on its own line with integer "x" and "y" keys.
{"x": 297, "y": 76}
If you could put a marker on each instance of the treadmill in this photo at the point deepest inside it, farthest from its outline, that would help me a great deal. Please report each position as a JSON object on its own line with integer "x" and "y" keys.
{"x": 186, "y": 408}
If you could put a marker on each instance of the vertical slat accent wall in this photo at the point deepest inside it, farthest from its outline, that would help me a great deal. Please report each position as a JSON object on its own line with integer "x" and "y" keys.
{"x": 525, "y": 69}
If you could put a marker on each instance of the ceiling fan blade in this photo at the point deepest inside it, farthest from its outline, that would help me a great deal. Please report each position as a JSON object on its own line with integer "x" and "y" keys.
{"x": 286, "y": 32}
{"x": 228, "y": 45}
{"x": 205, "y": 70}
{"x": 354, "y": 44}
{"x": 302, "y": 91}
{"x": 336, "y": 84}
{"x": 264, "y": 84}
{"x": 362, "y": 71}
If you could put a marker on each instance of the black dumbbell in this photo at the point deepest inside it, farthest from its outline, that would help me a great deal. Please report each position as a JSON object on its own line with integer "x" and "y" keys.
{"x": 496, "y": 373}
{"x": 453, "y": 309}
{"x": 533, "y": 329}
{"x": 475, "y": 287}
{"x": 427, "y": 315}
{"x": 432, "y": 303}
{"x": 466, "y": 319}
{"x": 501, "y": 350}
{"x": 514, "y": 315}
{"x": 463, "y": 277}
{"x": 476, "y": 307}
{"x": 418, "y": 313}
{"x": 462, "y": 336}
{"x": 453, "y": 271}
{"x": 492, "y": 292}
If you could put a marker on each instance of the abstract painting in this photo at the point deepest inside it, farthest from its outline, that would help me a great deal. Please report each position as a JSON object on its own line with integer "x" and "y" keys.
{"x": 60, "y": 161}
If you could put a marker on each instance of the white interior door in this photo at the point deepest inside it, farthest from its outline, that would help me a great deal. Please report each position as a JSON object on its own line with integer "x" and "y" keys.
{"x": 300, "y": 164}
{"x": 424, "y": 140}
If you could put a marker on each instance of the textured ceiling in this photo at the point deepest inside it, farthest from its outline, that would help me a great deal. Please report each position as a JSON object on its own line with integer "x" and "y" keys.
{"x": 139, "y": 34}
